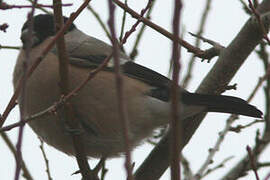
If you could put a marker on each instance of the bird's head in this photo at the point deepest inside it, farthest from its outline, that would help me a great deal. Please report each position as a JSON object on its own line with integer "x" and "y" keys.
{"x": 43, "y": 27}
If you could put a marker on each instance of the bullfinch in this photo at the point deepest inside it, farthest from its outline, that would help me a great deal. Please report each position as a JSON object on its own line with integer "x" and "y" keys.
{"x": 147, "y": 94}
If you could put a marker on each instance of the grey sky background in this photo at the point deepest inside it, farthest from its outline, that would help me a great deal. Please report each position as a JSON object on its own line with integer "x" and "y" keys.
{"x": 225, "y": 21}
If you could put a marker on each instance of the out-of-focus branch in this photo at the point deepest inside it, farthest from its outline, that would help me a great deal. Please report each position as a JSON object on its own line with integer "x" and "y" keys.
{"x": 10, "y": 47}
{"x": 252, "y": 161}
{"x": 89, "y": 7}
{"x": 123, "y": 24}
{"x": 40, "y": 8}
{"x": 134, "y": 51}
{"x": 5, "y": 6}
{"x": 187, "y": 172}
{"x": 258, "y": 17}
{"x": 220, "y": 165}
{"x": 191, "y": 62}
{"x": 122, "y": 111}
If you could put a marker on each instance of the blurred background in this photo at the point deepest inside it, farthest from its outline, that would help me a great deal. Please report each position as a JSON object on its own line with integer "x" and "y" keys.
{"x": 224, "y": 21}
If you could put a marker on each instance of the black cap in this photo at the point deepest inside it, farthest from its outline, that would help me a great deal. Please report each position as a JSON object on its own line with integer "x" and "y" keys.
{"x": 43, "y": 26}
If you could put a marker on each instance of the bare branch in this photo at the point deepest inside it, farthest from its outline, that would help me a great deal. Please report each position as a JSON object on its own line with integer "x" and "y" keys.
{"x": 175, "y": 123}
{"x": 122, "y": 111}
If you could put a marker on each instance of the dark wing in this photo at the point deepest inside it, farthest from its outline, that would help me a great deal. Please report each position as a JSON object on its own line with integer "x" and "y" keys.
{"x": 89, "y": 52}
{"x": 144, "y": 74}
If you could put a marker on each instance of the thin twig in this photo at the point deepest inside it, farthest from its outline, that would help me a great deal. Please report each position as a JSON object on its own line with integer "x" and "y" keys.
{"x": 10, "y": 47}
{"x": 133, "y": 28}
{"x": 252, "y": 162}
{"x": 41, "y": 146}
{"x": 89, "y": 7}
{"x": 245, "y": 7}
{"x": 40, "y": 8}
{"x": 216, "y": 46}
{"x": 134, "y": 51}
{"x": 187, "y": 172}
{"x": 239, "y": 128}
{"x": 5, "y": 6}
{"x": 122, "y": 111}
{"x": 220, "y": 165}
{"x": 123, "y": 23}
{"x": 103, "y": 172}
{"x": 189, "y": 47}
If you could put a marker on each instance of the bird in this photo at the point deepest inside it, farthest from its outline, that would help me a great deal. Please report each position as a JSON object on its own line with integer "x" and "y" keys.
{"x": 147, "y": 94}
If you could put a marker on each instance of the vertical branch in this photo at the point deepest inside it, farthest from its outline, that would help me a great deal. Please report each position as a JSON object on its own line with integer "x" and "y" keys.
{"x": 120, "y": 91}
{"x": 69, "y": 114}
{"x": 22, "y": 95}
{"x": 176, "y": 125}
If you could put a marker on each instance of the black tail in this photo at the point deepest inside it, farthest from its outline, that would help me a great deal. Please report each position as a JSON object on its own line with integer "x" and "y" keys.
{"x": 219, "y": 103}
